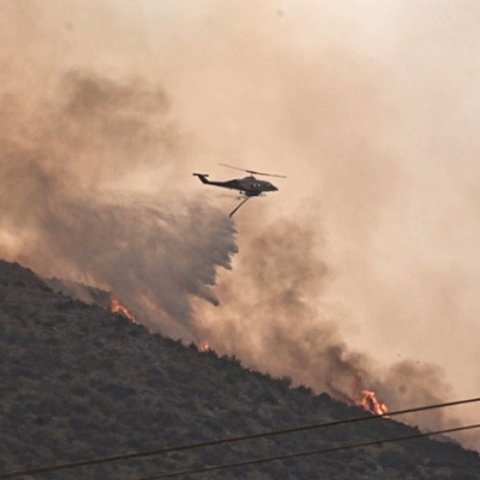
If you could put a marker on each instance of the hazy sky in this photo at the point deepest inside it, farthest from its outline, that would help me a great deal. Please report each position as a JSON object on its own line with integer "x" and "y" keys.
{"x": 370, "y": 108}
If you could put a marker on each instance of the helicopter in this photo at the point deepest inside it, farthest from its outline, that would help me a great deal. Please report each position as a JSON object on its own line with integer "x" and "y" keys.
{"x": 248, "y": 186}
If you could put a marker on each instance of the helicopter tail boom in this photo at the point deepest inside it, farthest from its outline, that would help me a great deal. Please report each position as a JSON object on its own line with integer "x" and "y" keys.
{"x": 228, "y": 184}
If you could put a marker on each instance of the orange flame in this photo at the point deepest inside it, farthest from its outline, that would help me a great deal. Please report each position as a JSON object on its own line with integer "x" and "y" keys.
{"x": 371, "y": 404}
{"x": 205, "y": 347}
{"x": 115, "y": 306}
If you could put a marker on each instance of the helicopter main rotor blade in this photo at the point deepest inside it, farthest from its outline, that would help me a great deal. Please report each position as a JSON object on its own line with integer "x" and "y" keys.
{"x": 265, "y": 174}
{"x": 253, "y": 172}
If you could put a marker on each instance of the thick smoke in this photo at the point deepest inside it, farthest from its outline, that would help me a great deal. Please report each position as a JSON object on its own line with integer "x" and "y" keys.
{"x": 155, "y": 253}
{"x": 371, "y": 114}
{"x": 270, "y": 322}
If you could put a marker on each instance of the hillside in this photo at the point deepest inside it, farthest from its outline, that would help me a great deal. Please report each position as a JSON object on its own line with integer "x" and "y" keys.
{"x": 78, "y": 381}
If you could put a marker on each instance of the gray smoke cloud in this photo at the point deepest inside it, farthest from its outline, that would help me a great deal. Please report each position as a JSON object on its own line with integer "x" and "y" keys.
{"x": 270, "y": 322}
{"x": 362, "y": 271}
{"x": 155, "y": 253}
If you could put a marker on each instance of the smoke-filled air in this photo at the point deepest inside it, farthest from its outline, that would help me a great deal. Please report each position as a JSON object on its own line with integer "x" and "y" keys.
{"x": 360, "y": 274}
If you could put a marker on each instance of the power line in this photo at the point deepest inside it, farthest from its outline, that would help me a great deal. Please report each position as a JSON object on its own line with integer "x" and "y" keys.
{"x": 209, "y": 443}
{"x": 307, "y": 453}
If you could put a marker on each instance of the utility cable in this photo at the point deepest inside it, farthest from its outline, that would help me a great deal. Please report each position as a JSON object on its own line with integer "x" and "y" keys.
{"x": 225, "y": 440}
{"x": 307, "y": 453}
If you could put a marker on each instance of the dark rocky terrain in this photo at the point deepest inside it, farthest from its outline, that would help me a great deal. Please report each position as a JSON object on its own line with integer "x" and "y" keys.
{"x": 78, "y": 381}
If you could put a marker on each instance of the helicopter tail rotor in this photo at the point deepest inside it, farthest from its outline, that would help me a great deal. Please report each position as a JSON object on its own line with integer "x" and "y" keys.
{"x": 202, "y": 176}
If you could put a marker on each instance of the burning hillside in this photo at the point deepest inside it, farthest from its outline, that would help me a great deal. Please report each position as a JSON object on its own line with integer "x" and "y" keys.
{"x": 116, "y": 306}
{"x": 370, "y": 403}
{"x": 79, "y": 382}
{"x": 108, "y": 107}
{"x": 274, "y": 319}
{"x": 167, "y": 256}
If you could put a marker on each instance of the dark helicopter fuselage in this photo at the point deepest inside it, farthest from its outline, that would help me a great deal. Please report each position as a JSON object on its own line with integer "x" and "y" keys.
{"x": 250, "y": 186}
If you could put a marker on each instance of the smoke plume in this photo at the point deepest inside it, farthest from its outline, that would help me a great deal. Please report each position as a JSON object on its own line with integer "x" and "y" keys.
{"x": 361, "y": 271}
{"x": 155, "y": 253}
{"x": 270, "y": 321}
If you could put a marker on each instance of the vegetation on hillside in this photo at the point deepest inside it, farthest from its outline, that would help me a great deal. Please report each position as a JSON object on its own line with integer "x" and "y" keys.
{"x": 79, "y": 382}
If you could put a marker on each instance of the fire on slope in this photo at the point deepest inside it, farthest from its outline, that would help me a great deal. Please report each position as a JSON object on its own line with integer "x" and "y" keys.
{"x": 115, "y": 306}
{"x": 367, "y": 398}
{"x": 363, "y": 397}
{"x": 370, "y": 403}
